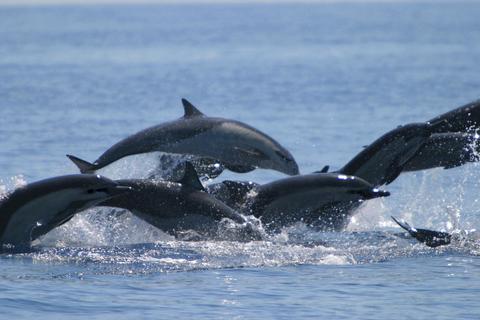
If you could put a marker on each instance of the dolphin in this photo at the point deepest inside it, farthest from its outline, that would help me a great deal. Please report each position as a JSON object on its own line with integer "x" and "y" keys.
{"x": 302, "y": 198}
{"x": 454, "y": 141}
{"x": 241, "y": 148}
{"x": 429, "y": 237}
{"x": 447, "y": 150}
{"x": 175, "y": 207}
{"x": 35, "y": 209}
{"x": 382, "y": 161}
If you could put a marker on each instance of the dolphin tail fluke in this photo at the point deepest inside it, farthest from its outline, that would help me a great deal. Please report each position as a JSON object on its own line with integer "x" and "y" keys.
{"x": 83, "y": 166}
{"x": 404, "y": 225}
{"x": 430, "y": 237}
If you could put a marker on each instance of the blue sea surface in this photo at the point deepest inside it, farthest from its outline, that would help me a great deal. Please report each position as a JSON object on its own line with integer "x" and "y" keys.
{"x": 322, "y": 79}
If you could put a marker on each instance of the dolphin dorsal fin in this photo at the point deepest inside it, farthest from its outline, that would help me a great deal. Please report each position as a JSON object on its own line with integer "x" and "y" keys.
{"x": 190, "y": 110}
{"x": 324, "y": 170}
{"x": 190, "y": 178}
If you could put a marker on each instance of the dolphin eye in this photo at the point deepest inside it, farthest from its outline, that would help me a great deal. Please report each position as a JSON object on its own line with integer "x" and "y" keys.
{"x": 281, "y": 155}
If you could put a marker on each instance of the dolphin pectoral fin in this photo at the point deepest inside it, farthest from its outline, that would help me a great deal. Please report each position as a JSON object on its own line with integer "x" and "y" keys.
{"x": 393, "y": 175}
{"x": 454, "y": 164}
{"x": 393, "y": 172}
{"x": 190, "y": 178}
{"x": 84, "y": 166}
{"x": 190, "y": 110}
{"x": 239, "y": 168}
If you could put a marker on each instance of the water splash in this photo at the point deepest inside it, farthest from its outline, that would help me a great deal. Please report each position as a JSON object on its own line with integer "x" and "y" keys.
{"x": 115, "y": 241}
{"x": 160, "y": 166}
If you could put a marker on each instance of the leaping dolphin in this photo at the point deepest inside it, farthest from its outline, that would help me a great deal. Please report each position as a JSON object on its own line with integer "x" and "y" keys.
{"x": 454, "y": 142}
{"x": 302, "y": 199}
{"x": 176, "y": 206}
{"x": 33, "y": 210}
{"x": 241, "y": 148}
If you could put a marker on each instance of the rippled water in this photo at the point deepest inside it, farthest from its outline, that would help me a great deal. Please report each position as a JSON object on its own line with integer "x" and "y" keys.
{"x": 323, "y": 79}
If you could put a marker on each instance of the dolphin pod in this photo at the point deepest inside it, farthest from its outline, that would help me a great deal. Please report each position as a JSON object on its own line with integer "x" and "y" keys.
{"x": 33, "y": 210}
{"x": 323, "y": 200}
{"x": 239, "y": 147}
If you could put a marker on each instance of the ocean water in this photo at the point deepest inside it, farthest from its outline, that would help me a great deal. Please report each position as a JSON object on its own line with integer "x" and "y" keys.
{"x": 322, "y": 79}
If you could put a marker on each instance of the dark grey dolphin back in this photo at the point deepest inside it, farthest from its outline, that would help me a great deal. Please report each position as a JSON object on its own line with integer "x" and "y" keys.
{"x": 382, "y": 161}
{"x": 463, "y": 119}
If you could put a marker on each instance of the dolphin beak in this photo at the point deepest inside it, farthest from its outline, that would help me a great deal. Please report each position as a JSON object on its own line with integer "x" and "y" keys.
{"x": 292, "y": 169}
{"x": 376, "y": 193}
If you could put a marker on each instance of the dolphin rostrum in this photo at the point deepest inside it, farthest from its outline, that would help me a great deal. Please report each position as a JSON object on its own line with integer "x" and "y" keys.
{"x": 241, "y": 148}
{"x": 33, "y": 210}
